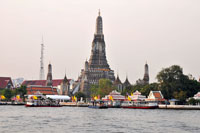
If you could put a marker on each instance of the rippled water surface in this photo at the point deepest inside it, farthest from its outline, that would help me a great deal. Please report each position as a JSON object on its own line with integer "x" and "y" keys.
{"x": 86, "y": 120}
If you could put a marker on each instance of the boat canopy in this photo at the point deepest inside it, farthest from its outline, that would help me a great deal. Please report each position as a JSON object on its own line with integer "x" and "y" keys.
{"x": 58, "y": 97}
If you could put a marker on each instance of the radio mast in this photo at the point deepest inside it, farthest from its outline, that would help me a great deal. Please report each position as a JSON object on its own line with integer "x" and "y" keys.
{"x": 42, "y": 61}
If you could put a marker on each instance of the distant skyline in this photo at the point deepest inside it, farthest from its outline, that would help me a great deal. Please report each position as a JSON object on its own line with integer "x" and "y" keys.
{"x": 161, "y": 33}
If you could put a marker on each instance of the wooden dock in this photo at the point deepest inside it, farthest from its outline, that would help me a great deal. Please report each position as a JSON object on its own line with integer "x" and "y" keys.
{"x": 179, "y": 107}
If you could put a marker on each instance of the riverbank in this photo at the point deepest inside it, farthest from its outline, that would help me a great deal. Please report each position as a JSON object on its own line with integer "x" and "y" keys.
{"x": 179, "y": 107}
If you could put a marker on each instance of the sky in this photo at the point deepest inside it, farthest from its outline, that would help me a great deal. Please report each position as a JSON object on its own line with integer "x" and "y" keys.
{"x": 160, "y": 32}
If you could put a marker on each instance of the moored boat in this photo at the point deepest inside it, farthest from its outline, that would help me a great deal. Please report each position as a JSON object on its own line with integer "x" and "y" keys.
{"x": 42, "y": 102}
{"x": 139, "y": 105}
{"x": 98, "y": 105}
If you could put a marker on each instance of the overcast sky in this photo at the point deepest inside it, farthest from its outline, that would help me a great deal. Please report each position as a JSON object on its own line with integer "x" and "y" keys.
{"x": 161, "y": 32}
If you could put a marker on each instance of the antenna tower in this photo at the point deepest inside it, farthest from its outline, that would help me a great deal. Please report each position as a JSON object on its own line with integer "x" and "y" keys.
{"x": 42, "y": 61}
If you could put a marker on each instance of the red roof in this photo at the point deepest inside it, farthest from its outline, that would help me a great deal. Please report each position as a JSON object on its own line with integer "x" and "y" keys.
{"x": 4, "y": 82}
{"x": 44, "y": 90}
{"x": 157, "y": 95}
{"x": 56, "y": 82}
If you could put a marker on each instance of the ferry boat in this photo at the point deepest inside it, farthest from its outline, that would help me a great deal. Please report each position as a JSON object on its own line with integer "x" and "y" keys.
{"x": 98, "y": 105}
{"x": 139, "y": 105}
{"x": 42, "y": 103}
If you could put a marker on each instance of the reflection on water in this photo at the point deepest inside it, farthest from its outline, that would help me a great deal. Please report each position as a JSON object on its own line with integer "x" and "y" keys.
{"x": 84, "y": 120}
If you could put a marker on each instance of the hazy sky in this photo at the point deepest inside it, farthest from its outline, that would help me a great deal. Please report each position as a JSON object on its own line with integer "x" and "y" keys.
{"x": 161, "y": 32}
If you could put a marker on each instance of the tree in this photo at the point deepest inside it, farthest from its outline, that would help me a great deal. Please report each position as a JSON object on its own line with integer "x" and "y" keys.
{"x": 192, "y": 101}
{"x": 7, "y": 93}
{"x": 21, "y": 91}
{"x": 103, "y": 88}
{"x": 94, "y": 90}
{"x": 174, "y": 84}
{"x": 144, "y": 89}
{"x": 79, "y": 95}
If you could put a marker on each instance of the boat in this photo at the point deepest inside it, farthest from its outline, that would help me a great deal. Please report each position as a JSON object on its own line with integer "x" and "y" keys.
{"x": 42, "y": 103}
{"x": 98, "y": 104}
{"x": 139, "y": 105}
{"x": 3, "y": 103}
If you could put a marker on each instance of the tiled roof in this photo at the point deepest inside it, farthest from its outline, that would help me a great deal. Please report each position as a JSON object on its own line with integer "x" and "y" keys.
{"x": 115, "y": 95}
{"x": 157, "y": 95}
{"x": 127, "y": 83}
{"x": 44, "y": 90}
{"x": 136, "y": 93}
{"x": 117, "y": 81}
{"x": 56, "y": 82}
{"x": 4, "y": 82}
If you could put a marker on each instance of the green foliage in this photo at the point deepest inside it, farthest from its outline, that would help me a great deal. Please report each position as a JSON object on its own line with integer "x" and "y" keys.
{"x": 21, "y": 91}
{"x": 174, "y": 84}
{"x": 182, "y": 95}
{"x": 79, "y": 95}
{"x": 193, "y": 101}
{"x": 7, "y": 93}
{"x": 144, "y": 89}
{"x": 94, "y": 90}
{"x": 103, "y": 88}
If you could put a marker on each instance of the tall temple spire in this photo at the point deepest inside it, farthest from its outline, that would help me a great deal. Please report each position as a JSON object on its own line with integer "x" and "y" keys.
{"x": 99, "y": 12}
{"x": 97, "y": 67}
{"x": 99, "y": 25}
{"x": 146, "y": 74}
{"x": 98, "y": 56}
{"x": 49, "y": 81}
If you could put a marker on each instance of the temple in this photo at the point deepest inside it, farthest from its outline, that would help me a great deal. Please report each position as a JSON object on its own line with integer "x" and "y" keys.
{"x": 97, "y": 67}
{"x": 145, "y": 79}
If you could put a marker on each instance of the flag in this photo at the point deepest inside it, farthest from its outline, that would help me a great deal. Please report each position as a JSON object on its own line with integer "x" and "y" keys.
{"x": 18, "y": 97}
{"x": 129, "y": 98}
{"x": 75, "y": 98}
{"x": 111, "y": 98}
{"x": 35, "y": 97}
{"x": 72, "y": 98}
{"x": 95, "y": 98}
{"x": 3, "y": 97}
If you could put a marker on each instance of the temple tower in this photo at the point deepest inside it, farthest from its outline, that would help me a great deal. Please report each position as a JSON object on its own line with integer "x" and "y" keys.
{"x": 98, "y": 53}
{"x": 97, "y": 67}
{"x": 146, "y": 74}
{"x": 49, "y": 76}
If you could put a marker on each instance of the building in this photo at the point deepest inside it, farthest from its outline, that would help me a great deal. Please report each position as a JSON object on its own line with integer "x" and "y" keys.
{"x": 63, "y": 86}
{"x": 97, "y": 67}
{"x": 49, "y": 76}
{"x": 197, "y": 96}
{"x": 6, "y": 83}
{"x": 17, "y": 82}
{"x": 40, "y": 90}
{"x": 114, "y": 99}
{"x": 126, "y": 84}
{"x": 145, "y": 79}
{"x": 155, "y": 96}
{"x": 116, "y": 96}
{"x": 118, "y": 84}
{"x": 137, "y": 96}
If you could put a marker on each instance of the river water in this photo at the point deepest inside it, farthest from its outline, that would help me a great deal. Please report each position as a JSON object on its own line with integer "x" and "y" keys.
{"x": 85, "y": 120}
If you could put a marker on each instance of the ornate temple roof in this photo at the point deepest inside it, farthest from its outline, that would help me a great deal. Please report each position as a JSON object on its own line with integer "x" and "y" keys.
{"x": 117, "y": 81}
{"x": 127, "y": 83}
{"x": 4, "y": 82}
